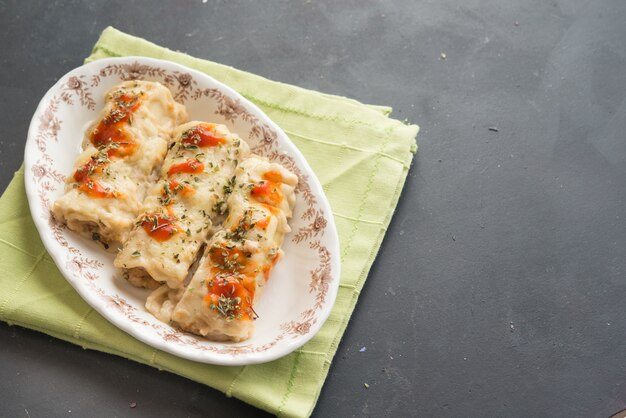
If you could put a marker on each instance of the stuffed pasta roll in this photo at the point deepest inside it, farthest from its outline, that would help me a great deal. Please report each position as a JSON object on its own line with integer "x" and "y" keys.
{"x": 219, "y": 301}
{"x": 121, "y": 150}
{"x": 197, "y": 175}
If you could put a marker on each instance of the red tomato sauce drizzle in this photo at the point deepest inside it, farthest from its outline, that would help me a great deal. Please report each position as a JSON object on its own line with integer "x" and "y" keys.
{"x": 190, "y": 166}
{"x": 268, "y": 191}
{"x": 110, "y": 132}
{"x": 94, "y": 189}
{"x": 233, "y": 277}
{"x": 202, "y": 136}
{"x": 159, "y": 226}
{"x": 184, "y": 189}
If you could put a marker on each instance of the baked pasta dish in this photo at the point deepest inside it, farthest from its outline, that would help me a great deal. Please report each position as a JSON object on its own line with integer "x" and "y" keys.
{"x": 198, "y": 219}
{"x": 218, "y": 302}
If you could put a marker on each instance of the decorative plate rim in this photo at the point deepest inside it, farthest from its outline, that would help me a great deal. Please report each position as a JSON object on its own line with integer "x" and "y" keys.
{"x": 115, "y": 307}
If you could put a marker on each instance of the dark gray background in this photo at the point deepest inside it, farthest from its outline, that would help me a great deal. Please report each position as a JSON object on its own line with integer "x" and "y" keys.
{"x": 499, "y": 289}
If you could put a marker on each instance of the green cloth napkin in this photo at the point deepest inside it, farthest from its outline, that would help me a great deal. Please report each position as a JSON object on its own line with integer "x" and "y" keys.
{"x": 361, "y": 157}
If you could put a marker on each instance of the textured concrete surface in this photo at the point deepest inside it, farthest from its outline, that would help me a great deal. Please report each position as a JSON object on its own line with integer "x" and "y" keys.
{"x": 499, "y": 288}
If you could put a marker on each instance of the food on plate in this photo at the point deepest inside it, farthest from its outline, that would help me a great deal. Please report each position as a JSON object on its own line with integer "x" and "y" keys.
{"x": 218, "y": 303}
{"x": 162, "y": 190}
{"x": 196, "y": 178}
{"x": 121, "y": 150}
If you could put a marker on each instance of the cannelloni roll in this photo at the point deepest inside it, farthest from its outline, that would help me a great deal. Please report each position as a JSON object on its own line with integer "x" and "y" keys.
{"x": 121, "y": 150}
{"x": 196, "y": 177}
{"x": 219, "y": 301}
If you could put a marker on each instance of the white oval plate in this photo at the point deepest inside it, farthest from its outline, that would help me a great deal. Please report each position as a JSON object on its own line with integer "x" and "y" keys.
{"x": 303, "y": 287}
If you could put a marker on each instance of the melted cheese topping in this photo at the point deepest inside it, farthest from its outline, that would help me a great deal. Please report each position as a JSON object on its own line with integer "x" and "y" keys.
{"x": 219, "y": 301}
{"x": 195, "y": 179}
{"x": 121, "y": 149}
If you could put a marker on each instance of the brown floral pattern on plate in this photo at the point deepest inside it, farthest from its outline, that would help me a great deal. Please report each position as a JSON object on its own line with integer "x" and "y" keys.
{"x": 263, "y": 141}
